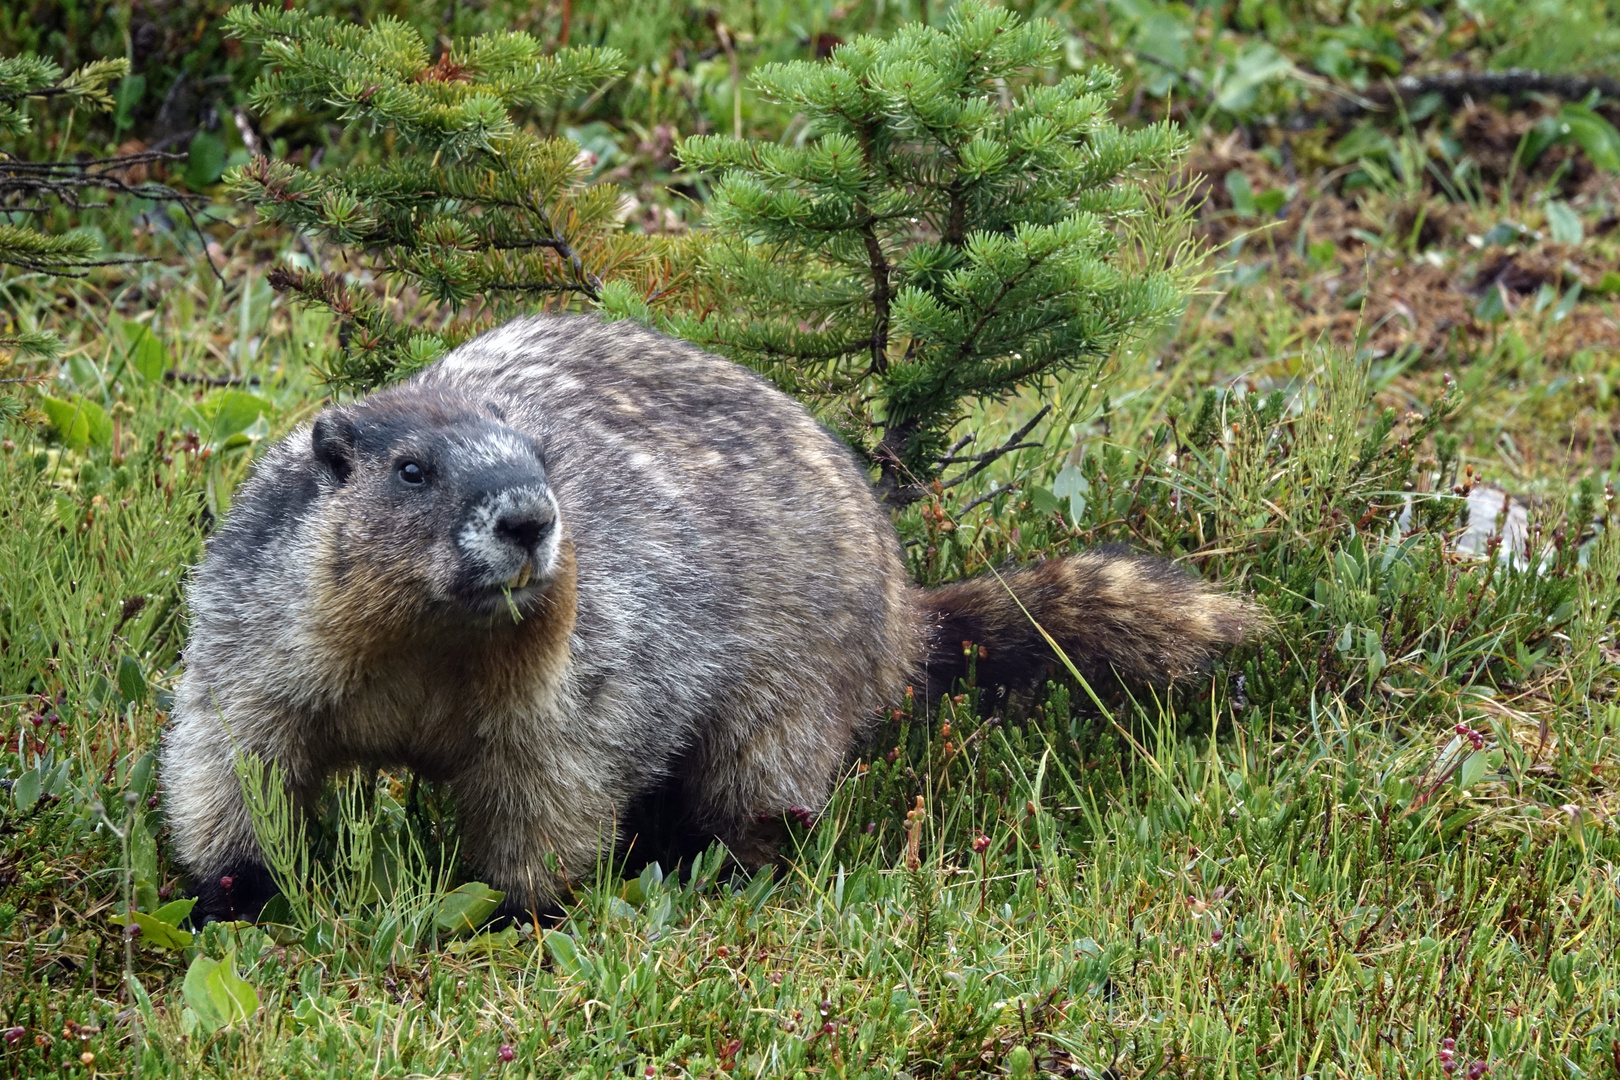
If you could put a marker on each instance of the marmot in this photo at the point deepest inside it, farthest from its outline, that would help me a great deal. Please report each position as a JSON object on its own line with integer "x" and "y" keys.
{"x": 604, "y": 584}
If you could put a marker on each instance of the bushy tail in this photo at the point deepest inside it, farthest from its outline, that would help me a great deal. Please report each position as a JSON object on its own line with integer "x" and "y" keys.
{"x": 1118, "y": 616}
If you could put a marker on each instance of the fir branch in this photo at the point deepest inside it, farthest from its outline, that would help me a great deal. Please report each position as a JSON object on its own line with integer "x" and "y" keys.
{"x": 469, "y": 207}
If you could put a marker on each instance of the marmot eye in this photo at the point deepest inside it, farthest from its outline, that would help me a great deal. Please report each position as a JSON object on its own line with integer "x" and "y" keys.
{"x": 411, "y": 473}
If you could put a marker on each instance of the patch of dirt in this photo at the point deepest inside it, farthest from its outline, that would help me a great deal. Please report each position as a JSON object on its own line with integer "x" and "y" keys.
{"x": 1320, "y": 262}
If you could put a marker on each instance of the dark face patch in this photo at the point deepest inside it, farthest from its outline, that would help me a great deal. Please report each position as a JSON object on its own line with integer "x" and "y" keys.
{"x": 438, "y": 497}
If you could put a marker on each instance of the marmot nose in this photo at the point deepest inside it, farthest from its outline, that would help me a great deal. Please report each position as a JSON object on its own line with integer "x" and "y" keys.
{"x": 525, "y": 528}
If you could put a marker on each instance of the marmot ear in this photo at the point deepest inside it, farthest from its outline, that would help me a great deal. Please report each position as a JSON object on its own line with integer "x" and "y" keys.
{"x": 333, "y": 440}
{"x": 495, "y": 410}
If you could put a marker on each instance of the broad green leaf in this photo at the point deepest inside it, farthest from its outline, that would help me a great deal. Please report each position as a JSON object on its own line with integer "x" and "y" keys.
{"x": 1593, "y": 134}
{"x": 68, "y": 511}
{"x": 233, "y": 411}
{"x": 217, "y": 994}
{"x": 131, "y": 681}
{"x": 174, "y": 911}
{"x": 465, "y": 909}
{"x": 232, "y": 993}
{"x": 1260, "y": 63}
{"x": 1271, "y": 200}
{"x": 1473, "y": 769}
{"x": 1042, "y": 500}
{"x": 79, "y": 421}
{"x": 156, "y": 931}
{"x": 130, "y": 91}
{"x": 488, "y": 942}
{"x": 140, "y": 774}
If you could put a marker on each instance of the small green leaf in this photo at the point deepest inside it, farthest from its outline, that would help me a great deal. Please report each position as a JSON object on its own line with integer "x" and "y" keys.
{"x": 1237, "y": 185}
{"x": 1473, "y": 770}
{"x": 487, "y": 942}
{"x": 143, "y": 861}
{"x": 68, "y": 512}
{"x": 131, "y": 681}
{"x": 1491, "y": 306}
{"x": 206, "y": 160}
{"x": 25, "y": 791}
{"x": 146, "y": 353}
{"x": 1506, "y": 232}
{"x": 1567, "y": 304}
{"x": 1564, "y": 223}
{"x": 567, "y": 955}
{"x": 1270, "y": 201}
{"x": 233, "y": 994}
{"x": 1044, "y": 501}
{"x": 1240, "y": 82}
{"x": 466, "y": 908}
{"x": 155, "y": 931}
{"x": 130, "y": 91}
{"x": 140, "y": 774}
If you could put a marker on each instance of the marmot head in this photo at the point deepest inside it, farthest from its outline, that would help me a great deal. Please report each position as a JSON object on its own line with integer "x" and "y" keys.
{"x": 431, "y": 491}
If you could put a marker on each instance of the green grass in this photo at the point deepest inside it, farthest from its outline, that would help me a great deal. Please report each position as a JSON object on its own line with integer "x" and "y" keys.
{"x": 1307, "y": 872}
{"x": 1300, "y": 867}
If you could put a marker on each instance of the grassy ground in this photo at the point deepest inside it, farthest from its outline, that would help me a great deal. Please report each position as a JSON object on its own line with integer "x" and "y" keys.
{"x": 1380, "y": 841}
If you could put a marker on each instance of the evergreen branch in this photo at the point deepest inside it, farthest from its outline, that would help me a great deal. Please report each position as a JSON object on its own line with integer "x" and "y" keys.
{"x": 537, "y": 286}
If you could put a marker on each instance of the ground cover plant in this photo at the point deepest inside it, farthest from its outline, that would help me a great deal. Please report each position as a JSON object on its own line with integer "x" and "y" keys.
{"x": 1379, "y": 841}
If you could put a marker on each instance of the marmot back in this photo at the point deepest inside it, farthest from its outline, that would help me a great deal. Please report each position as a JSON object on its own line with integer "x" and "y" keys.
{"x": 610, "y": 587}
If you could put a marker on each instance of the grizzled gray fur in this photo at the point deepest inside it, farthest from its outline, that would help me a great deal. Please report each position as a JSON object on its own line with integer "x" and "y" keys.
{"x": 609, "y": 587}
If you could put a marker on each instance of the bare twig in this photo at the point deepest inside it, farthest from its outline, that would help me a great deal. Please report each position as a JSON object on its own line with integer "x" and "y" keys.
{"x": 193, "y": 379}
{"x": 986, "y": 497}
{"x": 1014, "y": 442}
{"x": 1456, "y": 86}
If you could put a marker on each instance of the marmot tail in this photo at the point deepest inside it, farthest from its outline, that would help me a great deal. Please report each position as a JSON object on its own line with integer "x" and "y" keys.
{"x": 1119, "y": 617}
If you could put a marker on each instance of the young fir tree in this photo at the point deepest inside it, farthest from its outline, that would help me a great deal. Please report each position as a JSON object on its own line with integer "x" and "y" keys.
{"x": 950, "y": 231}
{"x": 480, "y": 215}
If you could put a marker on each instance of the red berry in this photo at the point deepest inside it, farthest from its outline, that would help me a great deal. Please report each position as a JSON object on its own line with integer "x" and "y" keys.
{"x": 506, "y": 1053}
{"x": 226, "y": 882}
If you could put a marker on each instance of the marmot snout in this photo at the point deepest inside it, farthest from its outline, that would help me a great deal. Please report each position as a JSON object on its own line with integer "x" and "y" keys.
{"x": 645, "y": 602}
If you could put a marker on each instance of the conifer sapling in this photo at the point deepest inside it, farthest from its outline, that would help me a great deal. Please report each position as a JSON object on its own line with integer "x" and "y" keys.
{"x": 950, "y": 230}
